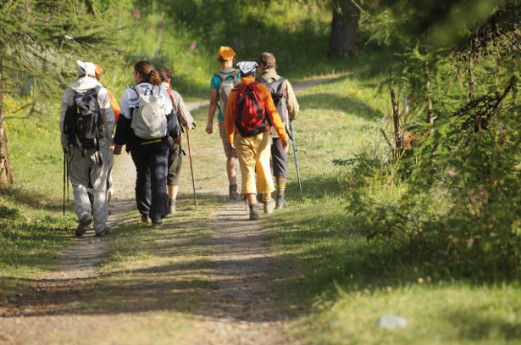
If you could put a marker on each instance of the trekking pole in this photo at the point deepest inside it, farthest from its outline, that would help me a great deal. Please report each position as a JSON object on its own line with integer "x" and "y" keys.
{"x": 68, "y": 180}
{"x": 296, "y": 160}
{"x": 191, "y": 165}
{"x": 64, "y": 173}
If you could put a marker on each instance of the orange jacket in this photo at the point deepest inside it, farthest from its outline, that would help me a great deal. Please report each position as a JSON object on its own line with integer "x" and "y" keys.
{"x": 115, "y": 105}
{"x": 231, "y": 111}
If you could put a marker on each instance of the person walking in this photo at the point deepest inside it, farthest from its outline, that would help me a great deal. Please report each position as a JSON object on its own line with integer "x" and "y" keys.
{"x": 145, "y": 125}
{"x": 287, "y": 106}
{"x": 86, "y": 126}
{"x": 175, "y": 155}
{"x": 220, "y": 87}
{"x": 249, "y": 111}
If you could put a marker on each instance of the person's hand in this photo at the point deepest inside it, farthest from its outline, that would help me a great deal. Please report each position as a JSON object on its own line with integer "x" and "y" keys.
{"x": 209, "y": 128}
{"x": 285, "y": 145}
{"x": 233, "y": 146}
{"x": 117, "y": 149}
{"x": 177, "y": 140}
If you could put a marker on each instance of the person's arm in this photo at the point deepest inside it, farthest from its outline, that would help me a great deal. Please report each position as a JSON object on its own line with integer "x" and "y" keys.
{"x": 182, "y": 111}
{"x": 107, "y": 114}
{"x": 229, "y": 117}
{"x": 293, "y": 106}
{"x": 211, "y": 110}
{"x": 274, "y": 116}
{"x": 123, "y": 126}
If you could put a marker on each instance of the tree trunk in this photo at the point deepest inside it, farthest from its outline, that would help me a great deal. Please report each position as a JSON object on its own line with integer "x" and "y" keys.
{"x": 6, "y": 174}
{"x": 344, "y": 29}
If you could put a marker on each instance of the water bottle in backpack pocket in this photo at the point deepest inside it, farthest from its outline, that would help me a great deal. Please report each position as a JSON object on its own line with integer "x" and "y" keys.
{"x": 83, "y": 125}
{"x": 149, "y": 119}
{"x": 251, "y": 118}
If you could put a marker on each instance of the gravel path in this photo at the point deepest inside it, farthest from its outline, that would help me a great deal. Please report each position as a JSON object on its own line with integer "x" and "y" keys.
{"x": 239, "y": 308}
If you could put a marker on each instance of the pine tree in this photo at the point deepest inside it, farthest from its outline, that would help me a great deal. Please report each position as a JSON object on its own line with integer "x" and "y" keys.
{"x": 37, "y": 38}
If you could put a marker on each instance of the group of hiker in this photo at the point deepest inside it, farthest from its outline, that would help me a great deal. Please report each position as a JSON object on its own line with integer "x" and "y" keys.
{"x": 253, "y": 114}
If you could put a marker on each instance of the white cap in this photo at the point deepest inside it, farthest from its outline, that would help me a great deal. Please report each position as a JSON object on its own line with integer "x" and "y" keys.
{"x": 86, "y": 68}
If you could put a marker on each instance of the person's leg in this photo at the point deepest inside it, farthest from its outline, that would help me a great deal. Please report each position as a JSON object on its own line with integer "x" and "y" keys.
{"x": 99, "y": 176}
{"x": 175, "y": 160}
{"x": 280, "y": 171}
{"x": 79, "y": 177}
{"x": 246, "y": 157}
{"x": 158, "y": 162}
{"x": 263, "y": 169}
{"x": 140, "y": 157}
{"x": 231, "y": 160}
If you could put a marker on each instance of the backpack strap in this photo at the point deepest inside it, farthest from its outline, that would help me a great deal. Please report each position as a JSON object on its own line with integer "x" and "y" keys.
{"x": 223, "y": 76}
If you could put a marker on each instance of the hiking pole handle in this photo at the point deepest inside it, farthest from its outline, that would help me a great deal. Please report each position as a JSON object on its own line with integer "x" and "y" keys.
{"x": 296, "y": 160}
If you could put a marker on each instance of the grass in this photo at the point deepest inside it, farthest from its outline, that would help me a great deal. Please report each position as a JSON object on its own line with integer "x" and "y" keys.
{"x": 33, "y": 231}
{"x": 332, "y": 273}
{"x": 343, "y": 283}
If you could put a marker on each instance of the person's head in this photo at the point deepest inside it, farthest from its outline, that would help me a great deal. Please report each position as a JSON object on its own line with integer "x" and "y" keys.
{"x": 267, "y": 61}
{"x": 86, "y": 69}
{"x": 165, "y": 75}
{"x": 226, "y": 55}
{"x": 247, "y": 68}
{"x": 144, "y": 70}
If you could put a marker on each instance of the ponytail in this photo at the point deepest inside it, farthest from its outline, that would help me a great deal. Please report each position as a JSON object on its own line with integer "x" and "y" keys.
{"x": 146, "y": 71}
{"x": 154, "y": 78}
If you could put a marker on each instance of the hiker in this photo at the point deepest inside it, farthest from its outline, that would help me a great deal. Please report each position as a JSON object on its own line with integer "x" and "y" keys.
{"x": 145, "y": 126}
{"x": 287, "y": 106}
{"x": 115, "y": 107}
{"x": 220, "y": 87}
{"x": 86, "y": 126}
{"x": 249, "y": 111}
{"x": 175, "y": 155}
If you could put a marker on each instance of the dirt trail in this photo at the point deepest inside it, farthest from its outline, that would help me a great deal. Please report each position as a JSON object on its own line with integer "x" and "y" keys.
{"x": 239, "y": 308}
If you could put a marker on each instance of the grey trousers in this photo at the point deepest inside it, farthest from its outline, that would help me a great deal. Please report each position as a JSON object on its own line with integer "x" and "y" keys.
{"x": 86, "y": 173}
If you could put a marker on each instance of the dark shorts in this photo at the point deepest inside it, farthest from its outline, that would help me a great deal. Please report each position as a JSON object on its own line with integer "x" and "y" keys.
{"x": 279, "y": 159}
{"x": 175, "y": 160}
{"x": 228, "y": 151}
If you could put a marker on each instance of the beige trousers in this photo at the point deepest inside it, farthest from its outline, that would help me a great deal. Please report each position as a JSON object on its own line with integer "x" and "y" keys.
{"x": 254, "y": 159}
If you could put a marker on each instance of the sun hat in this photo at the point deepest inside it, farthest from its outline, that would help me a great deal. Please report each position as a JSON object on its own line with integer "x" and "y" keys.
{"x": 226, "y": 53}
{"x": 86, "y": 68}
{"x": 247, "y": 67}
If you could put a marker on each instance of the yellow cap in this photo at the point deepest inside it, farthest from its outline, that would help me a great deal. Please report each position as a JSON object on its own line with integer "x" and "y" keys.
{"x": 226, "y": 53}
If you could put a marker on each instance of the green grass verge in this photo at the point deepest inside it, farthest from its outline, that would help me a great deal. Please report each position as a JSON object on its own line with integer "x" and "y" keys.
{"x": 333, "y": 275}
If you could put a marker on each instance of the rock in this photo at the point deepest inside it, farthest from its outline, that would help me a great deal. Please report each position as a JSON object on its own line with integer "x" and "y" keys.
{"x": 392, "y": 322}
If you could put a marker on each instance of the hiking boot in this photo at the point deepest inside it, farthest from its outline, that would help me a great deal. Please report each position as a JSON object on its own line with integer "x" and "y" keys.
{"x": 144, "y": 218}
{"x": 281, "y": 202}
{"x": 104, "y": 232}
{"x": 269, "y": 206}
{"x": 234, "y": 195}
{"x": 85, "y": 221}
{"x": 254, "y": 212}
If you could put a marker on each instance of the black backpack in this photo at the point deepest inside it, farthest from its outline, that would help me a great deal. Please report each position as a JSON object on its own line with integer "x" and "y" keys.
{"x": 83, "y": 125}
{"x": 278, "y": 94}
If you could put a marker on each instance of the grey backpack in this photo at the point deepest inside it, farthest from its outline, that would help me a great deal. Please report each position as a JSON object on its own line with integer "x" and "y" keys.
{"x": 149, "y": 119}
{"x": 228, "y": 82}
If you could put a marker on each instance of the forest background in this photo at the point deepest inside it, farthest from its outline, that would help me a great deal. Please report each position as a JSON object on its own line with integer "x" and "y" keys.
{"x": 416, "y": 200}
